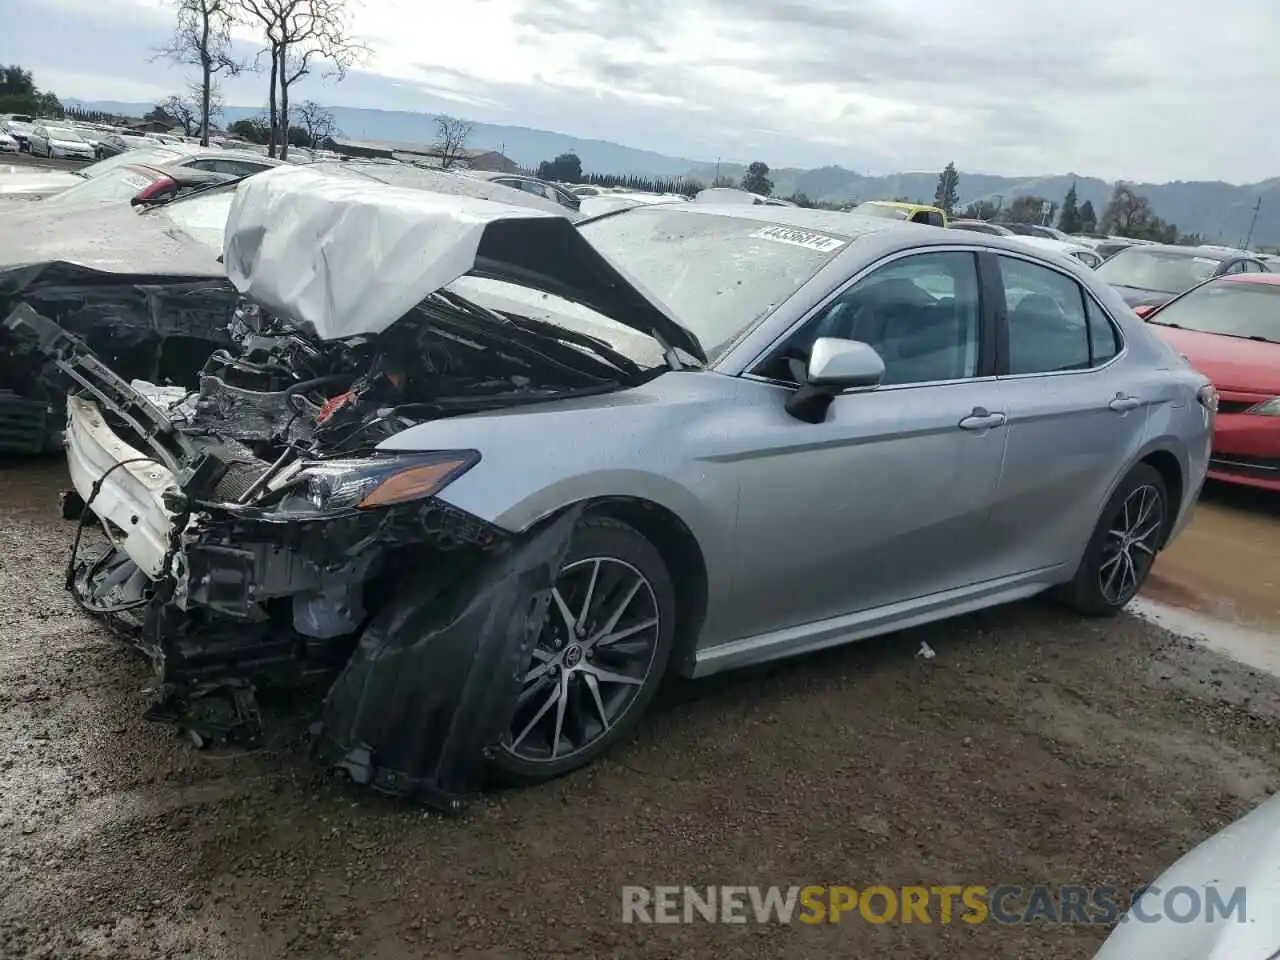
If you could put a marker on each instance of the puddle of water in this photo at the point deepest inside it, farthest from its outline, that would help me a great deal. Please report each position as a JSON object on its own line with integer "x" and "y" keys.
{"x": 1253, "y": 648}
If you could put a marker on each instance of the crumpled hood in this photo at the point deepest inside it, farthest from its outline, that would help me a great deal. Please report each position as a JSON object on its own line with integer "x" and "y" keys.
{"x": 1245, "y": 854}
{"x": 342, "y": 257}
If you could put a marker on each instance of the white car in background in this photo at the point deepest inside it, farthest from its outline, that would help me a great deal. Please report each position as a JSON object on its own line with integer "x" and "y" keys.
{"x": 1082, "y": 252}
{"x": 593, "y": 206}
{"x": 58, "y": 142}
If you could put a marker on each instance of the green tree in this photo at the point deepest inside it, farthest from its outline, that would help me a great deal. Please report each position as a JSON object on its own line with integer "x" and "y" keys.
{"x": 981, "y": 210}
{"x": 45, "y": 104}
{"x": 800, "y": 199}
{"x": 160, "y": 115}
{"x": 1088, "y": 218}
{"x": 19, "y": 94}
{"x": 253, "y": 129}
{"x": 16, "y": 82}
{"x": 1025, "y": 210}
{"x": 756, "y": 179}
{"x": 1069, "y": 218}
{"x": 566, "y": 168}
{"x": 724, "y": 182}
{"x": 947, "y": 196}
{"x": 1130, "y": 214}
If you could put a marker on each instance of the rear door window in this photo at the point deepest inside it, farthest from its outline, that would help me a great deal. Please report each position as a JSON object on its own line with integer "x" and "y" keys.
{"x": 1053, "y": 324}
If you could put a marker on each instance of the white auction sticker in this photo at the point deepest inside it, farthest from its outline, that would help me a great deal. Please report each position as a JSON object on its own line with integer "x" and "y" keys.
{"x": 800, "y": 238}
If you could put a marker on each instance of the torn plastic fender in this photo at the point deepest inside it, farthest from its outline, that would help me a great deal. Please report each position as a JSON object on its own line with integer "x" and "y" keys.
{"x": 432, "y": 686}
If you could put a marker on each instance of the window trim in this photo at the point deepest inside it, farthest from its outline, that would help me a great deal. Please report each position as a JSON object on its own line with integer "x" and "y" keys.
{"x": 987, "y": 327}
{"x": 1002, "y": 310}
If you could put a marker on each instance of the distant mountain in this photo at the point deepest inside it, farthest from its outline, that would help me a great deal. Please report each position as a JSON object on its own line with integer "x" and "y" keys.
{"x": 524, "y": 145}
{"x": 1220, "y": 212}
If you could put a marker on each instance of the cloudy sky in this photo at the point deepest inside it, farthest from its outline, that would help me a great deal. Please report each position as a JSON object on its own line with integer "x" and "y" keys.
{"x": 1149, "y": 90}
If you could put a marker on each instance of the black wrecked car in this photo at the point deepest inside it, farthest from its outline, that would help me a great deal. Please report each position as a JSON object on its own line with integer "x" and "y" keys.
{"x": 144, "y": 289}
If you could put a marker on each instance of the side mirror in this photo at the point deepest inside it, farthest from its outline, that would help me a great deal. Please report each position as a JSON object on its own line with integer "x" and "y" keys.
{"x": 1144, "y": 310}
{"x": 844, "y": 364}
{"x": 835, "y": 365}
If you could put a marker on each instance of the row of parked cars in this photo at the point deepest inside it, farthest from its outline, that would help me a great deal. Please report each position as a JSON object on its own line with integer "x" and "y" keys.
{"x": 496, "y": 468}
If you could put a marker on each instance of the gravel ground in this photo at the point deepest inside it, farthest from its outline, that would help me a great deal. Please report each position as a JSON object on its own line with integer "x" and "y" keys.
{"x": 1033, "y": 748}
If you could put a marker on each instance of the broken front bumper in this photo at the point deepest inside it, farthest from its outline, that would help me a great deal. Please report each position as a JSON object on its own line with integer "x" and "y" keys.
{"x": 126, "y": 486}
{"x": 426, "y": 692}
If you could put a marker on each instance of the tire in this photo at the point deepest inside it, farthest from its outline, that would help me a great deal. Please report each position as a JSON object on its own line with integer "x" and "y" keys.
{"x": 1103, "y": 584}
{"x": 615, "y": 552}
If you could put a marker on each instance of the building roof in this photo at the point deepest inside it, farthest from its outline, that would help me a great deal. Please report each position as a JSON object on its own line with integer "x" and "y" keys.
{"x": 392, "y": 147}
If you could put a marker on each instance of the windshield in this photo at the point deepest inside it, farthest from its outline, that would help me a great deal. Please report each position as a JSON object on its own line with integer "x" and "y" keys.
{"x": 115, "y": 185}
{"x": 1165, "y": 271}
{"x": 203, "y": 217}
{"x": 873, "y": 209}
{"x": 1227, "y": 307}
{"x": 157, "y": 155}
{"x": 61, "y": 133}
{"x": 717, "y": 275}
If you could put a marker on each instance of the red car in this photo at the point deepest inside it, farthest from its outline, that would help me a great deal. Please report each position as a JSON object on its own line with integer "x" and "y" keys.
{"x": 1229, "y": 329}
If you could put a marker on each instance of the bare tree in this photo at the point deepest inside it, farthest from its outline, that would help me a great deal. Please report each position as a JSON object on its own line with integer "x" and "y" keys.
{"x": 300, "y": 34}
{"x": 189, "y": 111}
{"x": 185, "y": 111}
{"x": 202, "y": 39}
{"x": 317, "y": 121}
{"x": 451, "y": 140}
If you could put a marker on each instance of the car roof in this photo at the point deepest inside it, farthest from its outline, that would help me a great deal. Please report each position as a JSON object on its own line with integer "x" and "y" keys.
{"x": 219, "y": 154}
{"x": 1270, "y": 279}
{"x": 903, "y": 205}
{"x": 1208, "y": 253}
{"x": 848, "y": 225}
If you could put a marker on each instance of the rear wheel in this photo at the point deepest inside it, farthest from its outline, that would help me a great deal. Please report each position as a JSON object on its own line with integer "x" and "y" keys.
{"x": 603, "y": 649}
{"x": 1123, "y": 547}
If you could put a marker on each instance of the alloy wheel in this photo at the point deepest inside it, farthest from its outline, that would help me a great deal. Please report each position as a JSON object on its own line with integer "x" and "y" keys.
{"x": 592, "y": 659}
{"x": 1129, "y": 547}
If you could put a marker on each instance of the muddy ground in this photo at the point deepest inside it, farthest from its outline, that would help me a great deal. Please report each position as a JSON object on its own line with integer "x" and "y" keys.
{"x": 1033, "y": 748}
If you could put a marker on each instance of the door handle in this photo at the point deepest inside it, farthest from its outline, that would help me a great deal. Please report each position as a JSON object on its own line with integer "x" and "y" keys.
{"x": 1123, "y": 404}
{"x": 981, "y": 419}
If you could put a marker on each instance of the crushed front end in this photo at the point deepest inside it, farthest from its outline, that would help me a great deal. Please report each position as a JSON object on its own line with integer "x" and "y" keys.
{"x": 252, "y": 532}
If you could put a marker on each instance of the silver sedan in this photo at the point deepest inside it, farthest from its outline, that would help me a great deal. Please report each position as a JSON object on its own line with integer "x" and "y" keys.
{"x": 767, "y": 430}
{"x": 895, "y": 425}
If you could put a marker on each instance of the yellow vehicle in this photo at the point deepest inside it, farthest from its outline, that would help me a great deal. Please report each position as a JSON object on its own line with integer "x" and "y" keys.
{"x": 896, "y": 210}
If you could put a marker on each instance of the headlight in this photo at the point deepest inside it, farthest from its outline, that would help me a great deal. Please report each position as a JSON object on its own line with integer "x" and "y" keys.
{"x": 333, "y": 486}
{"x": 1268, "y": 408}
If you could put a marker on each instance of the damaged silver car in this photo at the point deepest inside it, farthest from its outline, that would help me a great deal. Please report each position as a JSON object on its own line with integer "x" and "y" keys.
{"x": 499, "y": 473}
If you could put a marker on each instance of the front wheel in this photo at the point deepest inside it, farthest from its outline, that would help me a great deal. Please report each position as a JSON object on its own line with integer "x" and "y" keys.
{"x": 600, "y": 656}
{"x": 1119, "y": 556}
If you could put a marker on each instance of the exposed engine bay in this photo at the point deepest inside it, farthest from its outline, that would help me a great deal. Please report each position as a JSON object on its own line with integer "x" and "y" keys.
{"x": 282, "y": 395}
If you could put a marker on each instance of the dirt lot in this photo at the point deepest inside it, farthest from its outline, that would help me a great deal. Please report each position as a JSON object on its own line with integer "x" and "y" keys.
{"x": 1033, "y": 748}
